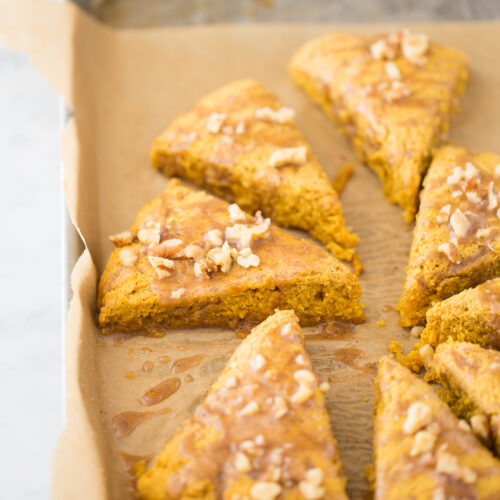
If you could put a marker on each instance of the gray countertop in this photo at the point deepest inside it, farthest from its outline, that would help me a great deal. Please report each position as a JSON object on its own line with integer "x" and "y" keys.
{"x": 30, "y": 211}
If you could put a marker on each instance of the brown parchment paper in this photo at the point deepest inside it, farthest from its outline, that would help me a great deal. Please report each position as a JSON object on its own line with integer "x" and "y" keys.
{"x": 124, "y": 88}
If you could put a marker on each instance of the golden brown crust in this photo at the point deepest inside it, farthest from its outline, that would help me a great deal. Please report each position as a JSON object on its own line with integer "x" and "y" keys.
{"x": 421, "y": 450}
{"x": 290, "y": 273}
{"x": 456, "y": 242}
{"x": 263, "y": 428}
{"x": 394, "y": 108}
{"x": 232, "y": 142}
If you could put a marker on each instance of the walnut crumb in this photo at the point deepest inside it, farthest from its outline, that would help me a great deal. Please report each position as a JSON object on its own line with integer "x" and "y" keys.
{"x": 280, "y": 407}
{"x": 414, "y": 47}
{"x": 236, "y": 214}
{"x": 250, "y": 409}
{"x": 392, "y": 70}
{"x": 424, "y": 441}
{"x": 122, "y": 239}
{"x": 257, "y": 362}
{"x": 444, "y": 214}
{"x": 168, "y": 249}
{"x": 383, "y": 49}
{"x": 242, "y": 462}
{"x": 311, "y": 487}
{"x": 128, "y": 257}
{"x": 265, "y": 490}
{"x": 177, "y": 294}
{"x": 419, "y": 415}
{"x": 288, "y": 156}
{"x": 215, "y": 122}
{"x": 231, "y": 382}
{"x": 282, "y": 115}
{"x": 448, "y": 464}
{"x": 161, "y": 266}
{"x": 473, "y": 197}
{"x": 215, "y": 237}
{"x": 480, "y": 426}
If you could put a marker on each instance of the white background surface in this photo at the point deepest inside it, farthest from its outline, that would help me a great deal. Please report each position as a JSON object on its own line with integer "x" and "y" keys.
{"x": 30, "y": 279}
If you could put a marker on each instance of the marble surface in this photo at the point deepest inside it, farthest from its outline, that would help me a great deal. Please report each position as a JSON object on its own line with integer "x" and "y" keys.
{"x": 30, "y": 215}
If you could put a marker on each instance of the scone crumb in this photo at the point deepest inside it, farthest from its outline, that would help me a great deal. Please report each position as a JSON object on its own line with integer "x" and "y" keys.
{"x": 251, "y": 260}
{"x": 149, "y": 235}
{"x": 416, "y": 331}
{"x": 288, "y": 156}
{"x": 423, "y": 441}
{"x": 215, "y": 237}
{"x": 257, "y": 362}
{"x": 444, "y": 214}
{"x": 128, "y": 257}
{"x": 462, "y": 424}
{"x": 380, "y": 323}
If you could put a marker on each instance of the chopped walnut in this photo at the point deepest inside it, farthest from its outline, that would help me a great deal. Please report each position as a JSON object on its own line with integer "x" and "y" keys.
{"x": 424, "y": 441}
{"x": 286, "y": 329}
{"x": 492, "y": 197}
{"x": 419, "y": 415}
{"x": 231, "y": 382}
{"x": 257, "y": 362}
{"x": 471, "y": 172}
{"x": 242, "y": 462}
{"x": 282, "y": 115}
{"x": 324, "y": 387}
{"x": 240, "y": 128}
{"x": 480, "y": 426}
{"x": 215, "y": 237}
{"x": 204, "y": 268}
{"x": 161, "y": 266}
{"x": 288, "y": 156}
{"x": 221, "y": 257}
{"x": 451, "y": 251}
{"x": 459, "y": 223}
{"x": 196, "y": 250}
{"x": 496, "y": 172}
{"x": 250, "y": 260}
{"x": 426, "y": 353}
{"x": 169, "y": 249}
{"x": 250, "y": 409}
{"x": 416, "y": 331}
{"x": 311, "y": 487}
{"x": 457, "y": 175}
{"x": 177, "y": 294}
{"x": 392, "y": 70}
{"x": 236, "y": 214}
{"x": 302, "y": 394}
{"x": 396, "y": 92}
{"x": 280, "y": 407}
{"x": 128, "y": 257}
{"x": 304, "y": 377}
{"x": 300, "y": 359}
{"x": 484, "y": 232}
{"x": 122, "y": 239}
{"x": 462, "y": 424}
{"x": 259, "y": 440}
{"x": 149, "y": 235}
{"x": 448, "y": 464}
{"x": 473, "y": 197}
{"x": 265, "y": 490}
{"x": 383, "y": 49}
{"x": 414, "y": 47}
{"x": 248, "y": 446}
{"x": 439, "y": 494}
{"x": 215, "y": 122}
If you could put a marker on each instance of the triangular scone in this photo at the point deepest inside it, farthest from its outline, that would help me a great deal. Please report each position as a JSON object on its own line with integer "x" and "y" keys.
{"x": 456, "y": 242}
{"x": 243, "y": 145}
{"x": 193, "y": 260}
{"x": 393, "y": 95}
{"x": 262, "y": 432}
{"x": 422, "y": 451}
{"x": 472, "y": 376}
{"x": 471, "y": 316}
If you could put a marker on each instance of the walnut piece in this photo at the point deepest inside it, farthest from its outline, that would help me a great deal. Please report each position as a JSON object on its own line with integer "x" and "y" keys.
{"x": 288, "y": 156}
{"x": 236, "y": 214}
{"x": 215, "y": 122}
{"x": 311, "y": 487}
{"x": 221, "y": 257}
{"x": 122, "y": 239}
{"x": 204, "y": 268}
{"x": 250, "y": 409}
{"x": 247, "y": 259}
{"x": 419, "y": 415}
{"x": 215, "y": 237}
{"x": 149, "y": 235}
{"x": 177, "y": 294}
{"x": 424, "y": 441}
{"x": 444, "y": 214}
{"x": 392, "y": 70}
{"x": 480, "y": 426}
{"x": 451, "y": 251}
{"x": 257, "y": 362}
{"x": 282, "y": 115}
{"x": 128, "y": 257}
{"x": 459, "y": 223}
{"x": 265, "y": 490}
{"x": 383, "y": 49}
{"x": 414, "y": 47}
{"x": 242, "y": 462}
{"x": 161, "y": 266}
{"x": 280, "y": 407}
{"x": 231, "y": 382}
{"x": 448, "y": 464}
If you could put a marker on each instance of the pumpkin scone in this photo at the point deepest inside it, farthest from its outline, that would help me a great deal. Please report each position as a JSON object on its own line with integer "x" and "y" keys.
{"x": 422, "y": 450}
{"x": 262, "y": 432}
{"x": 471, "y": 376}
{"x": 242, "y": 144}
{"x": 191, "y": 259}
{"x": 456, "y": 241}
{"x": 392, "y": 95}
{"x": 470, "y": 316}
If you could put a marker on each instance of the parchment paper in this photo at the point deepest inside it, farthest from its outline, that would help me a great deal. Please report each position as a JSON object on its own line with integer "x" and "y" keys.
{"x": 125, "y": 87}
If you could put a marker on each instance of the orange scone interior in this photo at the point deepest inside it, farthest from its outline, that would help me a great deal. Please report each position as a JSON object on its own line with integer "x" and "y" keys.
{"x": 191, "y": 259}
{"x": 456, "y": 242}
{"x": 262, "y": 432}
{"x": 392, "y": 95}
{"x": 471, "y": 376}
{"x": 422, "y": 451}
{"x": 242, "y": 144}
